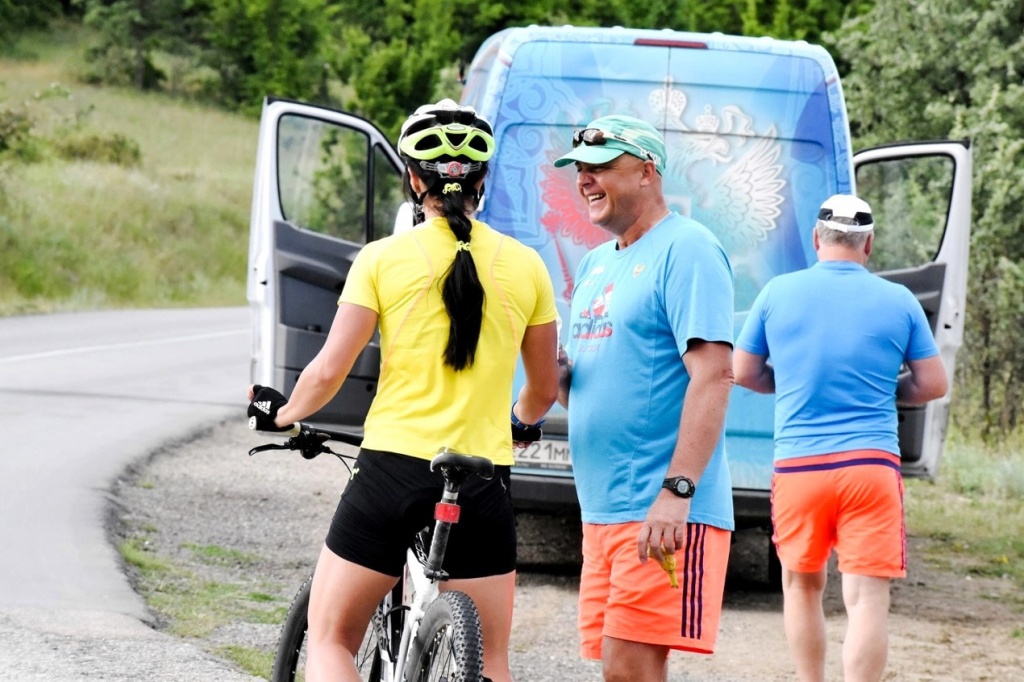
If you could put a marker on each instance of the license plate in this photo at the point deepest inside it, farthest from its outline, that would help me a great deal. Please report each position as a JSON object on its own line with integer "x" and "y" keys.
{"x": 545, "y": 454}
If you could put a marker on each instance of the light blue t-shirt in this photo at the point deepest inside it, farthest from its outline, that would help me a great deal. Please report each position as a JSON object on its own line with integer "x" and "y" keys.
{"x": 633, "y": 311}
{"x": 836, "y": 336}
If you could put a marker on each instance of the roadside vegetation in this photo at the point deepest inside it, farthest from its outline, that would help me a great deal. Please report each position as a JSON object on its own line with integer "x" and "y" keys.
{"x": 111, "y": 198}
{"x": 973, "y": 512}
{"x": 193, "y": 606}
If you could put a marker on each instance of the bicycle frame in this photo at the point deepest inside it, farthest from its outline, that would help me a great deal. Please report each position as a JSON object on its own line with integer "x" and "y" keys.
{"x": 423, "y": 591}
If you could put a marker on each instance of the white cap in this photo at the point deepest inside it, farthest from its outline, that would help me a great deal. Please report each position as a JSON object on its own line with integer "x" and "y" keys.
{"x": 849, "y": 207}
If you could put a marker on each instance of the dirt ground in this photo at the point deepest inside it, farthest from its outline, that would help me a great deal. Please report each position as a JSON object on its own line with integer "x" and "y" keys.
{"x": 270, "y": 512}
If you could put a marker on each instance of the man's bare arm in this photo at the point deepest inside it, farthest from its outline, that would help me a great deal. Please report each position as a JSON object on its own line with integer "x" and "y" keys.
{"x": 700, "y": 428}
{"x": 753, "y": 371}
{"x": 925, "y": 381}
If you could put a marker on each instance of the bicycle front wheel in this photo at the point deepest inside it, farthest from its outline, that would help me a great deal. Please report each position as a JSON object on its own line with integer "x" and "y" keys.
{"x": 448, "y": 646}
{"x": 290, "y": 660}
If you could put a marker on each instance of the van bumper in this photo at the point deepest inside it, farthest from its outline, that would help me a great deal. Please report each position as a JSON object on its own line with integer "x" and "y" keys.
{"x": 751, "y": 508}
{"x": 544, "y": 493}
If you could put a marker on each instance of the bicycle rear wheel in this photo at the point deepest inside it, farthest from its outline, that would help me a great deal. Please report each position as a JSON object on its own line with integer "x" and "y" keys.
{"x": 290, "y": 660}
{"x": 448, "y": 646}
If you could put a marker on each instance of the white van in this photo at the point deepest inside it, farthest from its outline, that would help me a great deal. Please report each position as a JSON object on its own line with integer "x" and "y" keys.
{"x": 757, "y": 137}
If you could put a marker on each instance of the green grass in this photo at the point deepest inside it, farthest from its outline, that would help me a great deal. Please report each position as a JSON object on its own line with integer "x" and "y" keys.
{"x": 973, "y": 513}
{"x": 252, "y": 661}
{"x": 172, "y": 231}
{"x": 222, "y": 556}
{"x": 195, "y": 608}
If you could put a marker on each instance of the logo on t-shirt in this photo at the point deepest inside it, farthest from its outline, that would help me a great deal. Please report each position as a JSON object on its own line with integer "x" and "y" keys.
{"x": 594, "y": 322}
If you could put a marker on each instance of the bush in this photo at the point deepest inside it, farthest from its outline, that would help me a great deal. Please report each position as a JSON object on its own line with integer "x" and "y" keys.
{"x": 111, "y": 148}
{"x": 16, "y": 133}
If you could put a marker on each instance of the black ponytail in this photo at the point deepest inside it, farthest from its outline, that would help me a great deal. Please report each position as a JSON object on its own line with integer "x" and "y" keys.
{"x": 462, "y": 292}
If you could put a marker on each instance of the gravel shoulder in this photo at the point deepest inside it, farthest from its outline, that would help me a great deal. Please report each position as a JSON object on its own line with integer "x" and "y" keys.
{"x": 252, "y": 527}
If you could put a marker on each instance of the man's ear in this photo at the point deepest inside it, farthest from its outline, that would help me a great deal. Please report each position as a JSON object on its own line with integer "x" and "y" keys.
{"x": 869, "y": 243}
{"x": 649, "y": 172}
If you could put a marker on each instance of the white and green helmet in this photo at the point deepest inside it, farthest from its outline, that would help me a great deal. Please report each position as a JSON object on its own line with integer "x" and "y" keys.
{"x": 448, "y": 139}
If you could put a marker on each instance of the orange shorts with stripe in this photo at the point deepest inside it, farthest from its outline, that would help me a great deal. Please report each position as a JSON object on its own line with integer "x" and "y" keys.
{"x": 623, "y": 598}
{"x": 850, "y": 501}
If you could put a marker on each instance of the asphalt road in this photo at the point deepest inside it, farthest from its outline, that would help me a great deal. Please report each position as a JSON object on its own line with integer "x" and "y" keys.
{"x": 82, "y": 396}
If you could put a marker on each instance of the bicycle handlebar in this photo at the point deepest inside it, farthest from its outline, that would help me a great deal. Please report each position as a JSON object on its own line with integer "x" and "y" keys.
{"x": 309, "y": 441}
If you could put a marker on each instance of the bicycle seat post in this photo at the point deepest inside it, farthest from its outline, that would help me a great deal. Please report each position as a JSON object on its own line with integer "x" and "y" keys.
{"x": 446, "y": 513}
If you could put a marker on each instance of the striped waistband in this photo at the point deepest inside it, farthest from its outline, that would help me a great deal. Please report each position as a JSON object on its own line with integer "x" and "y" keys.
{"x": 837, "y": 460}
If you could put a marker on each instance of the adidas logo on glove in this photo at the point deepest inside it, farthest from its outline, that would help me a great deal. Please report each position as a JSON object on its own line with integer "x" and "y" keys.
{"x": 263, "y": 406}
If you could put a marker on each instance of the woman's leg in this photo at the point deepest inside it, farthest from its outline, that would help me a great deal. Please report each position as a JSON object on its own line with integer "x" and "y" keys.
{"x": 493, "y": 597}
{"x": 341, "y": 604}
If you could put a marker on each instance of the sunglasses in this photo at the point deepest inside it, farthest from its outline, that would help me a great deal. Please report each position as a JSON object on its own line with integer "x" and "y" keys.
{"x": 449, "y": 116}
{"x": 860, "y": 219}
{"x": 597, "y": 137}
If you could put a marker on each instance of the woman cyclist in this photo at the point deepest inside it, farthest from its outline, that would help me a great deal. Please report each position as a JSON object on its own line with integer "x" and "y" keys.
{"x": 456, "y": 303}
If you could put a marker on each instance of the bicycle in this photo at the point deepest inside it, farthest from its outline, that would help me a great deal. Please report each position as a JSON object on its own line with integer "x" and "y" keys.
{"x": 417, "y": 633}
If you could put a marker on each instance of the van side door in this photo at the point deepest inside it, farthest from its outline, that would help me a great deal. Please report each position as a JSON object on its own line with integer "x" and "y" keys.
{"x": 920, "y": 194}
{"x": 326, "y": 183}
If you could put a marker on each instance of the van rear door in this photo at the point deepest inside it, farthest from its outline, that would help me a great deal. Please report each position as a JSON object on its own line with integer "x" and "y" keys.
{"x": 920, "y": 194}
{"x": 326, "y": 183}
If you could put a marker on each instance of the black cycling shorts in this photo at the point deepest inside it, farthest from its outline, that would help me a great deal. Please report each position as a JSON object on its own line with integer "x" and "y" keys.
{"x": 391, "y": 497}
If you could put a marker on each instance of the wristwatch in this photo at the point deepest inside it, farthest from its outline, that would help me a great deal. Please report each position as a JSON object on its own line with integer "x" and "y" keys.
{"x": 680, "y": 485}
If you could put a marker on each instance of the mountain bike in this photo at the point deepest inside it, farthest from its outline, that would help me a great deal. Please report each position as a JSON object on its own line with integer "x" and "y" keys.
{"x": 417, "y": 633}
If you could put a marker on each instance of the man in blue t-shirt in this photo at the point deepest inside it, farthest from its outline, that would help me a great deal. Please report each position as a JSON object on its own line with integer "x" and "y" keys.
{"x": 829, "y": 341}
{"x": 648, "y": 368}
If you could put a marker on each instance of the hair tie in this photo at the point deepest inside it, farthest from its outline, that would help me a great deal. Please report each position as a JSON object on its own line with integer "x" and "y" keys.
{"x": 461, "y": 246}
{"x": 451, "y": 187}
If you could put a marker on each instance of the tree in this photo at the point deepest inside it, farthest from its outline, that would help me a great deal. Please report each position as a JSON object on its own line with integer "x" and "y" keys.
{"x": 933, "y": 69}
{"x": 18, "y": 15}
{"x": 129, "y": 32}
{"x": 278, "y": 47}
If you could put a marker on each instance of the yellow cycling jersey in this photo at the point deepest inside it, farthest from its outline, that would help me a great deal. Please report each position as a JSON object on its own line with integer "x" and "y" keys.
{"x": 422, "y": 404}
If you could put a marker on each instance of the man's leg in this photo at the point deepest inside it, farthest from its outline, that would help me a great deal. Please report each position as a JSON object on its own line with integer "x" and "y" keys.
{"x": 867, "y": 636}
{"x": 625, "y": 661}
{"x": 805, "y": 622}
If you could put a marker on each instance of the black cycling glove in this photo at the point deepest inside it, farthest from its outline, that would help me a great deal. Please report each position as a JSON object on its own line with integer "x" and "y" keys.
{"x": 525, "y": 433}
{"x": 263, "y": 408}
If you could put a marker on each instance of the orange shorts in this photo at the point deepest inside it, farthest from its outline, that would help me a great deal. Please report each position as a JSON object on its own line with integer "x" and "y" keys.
{"x": 622, "y": 598}
{"x": 850, "y": 501}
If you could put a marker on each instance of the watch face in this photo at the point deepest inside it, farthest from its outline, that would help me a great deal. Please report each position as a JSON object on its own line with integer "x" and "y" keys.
{"x": 681, "y": 486}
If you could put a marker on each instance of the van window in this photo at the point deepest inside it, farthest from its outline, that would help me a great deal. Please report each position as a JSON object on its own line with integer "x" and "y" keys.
{"x": 909, "y": 198}
{"x": 387, "y": 194}
{"x": 322, "y": 176}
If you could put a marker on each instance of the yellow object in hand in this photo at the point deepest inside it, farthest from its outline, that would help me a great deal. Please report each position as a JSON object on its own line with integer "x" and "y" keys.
{"x": 668, "y": 563}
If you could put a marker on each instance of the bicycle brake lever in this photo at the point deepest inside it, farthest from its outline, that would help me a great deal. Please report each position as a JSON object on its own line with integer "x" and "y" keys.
{"x": 268, "y": 446}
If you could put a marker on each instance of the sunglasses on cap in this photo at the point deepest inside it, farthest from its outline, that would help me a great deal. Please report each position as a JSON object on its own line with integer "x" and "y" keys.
{"x": 595, "y": 137}
{"x": 860, "y": 219}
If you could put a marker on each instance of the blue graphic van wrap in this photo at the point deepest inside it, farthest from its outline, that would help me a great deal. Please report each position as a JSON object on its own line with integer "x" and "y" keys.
{"x": 757, "y": 138}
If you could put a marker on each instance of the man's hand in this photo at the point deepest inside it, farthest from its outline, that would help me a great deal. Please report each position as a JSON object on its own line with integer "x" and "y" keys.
{"x": 264, "y": 403}
{"x": 664, "y": 530}
{"x": 564, "y": 376}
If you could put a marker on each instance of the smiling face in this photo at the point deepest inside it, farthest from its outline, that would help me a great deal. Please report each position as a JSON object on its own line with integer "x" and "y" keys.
{"x": 618, "y": 192}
